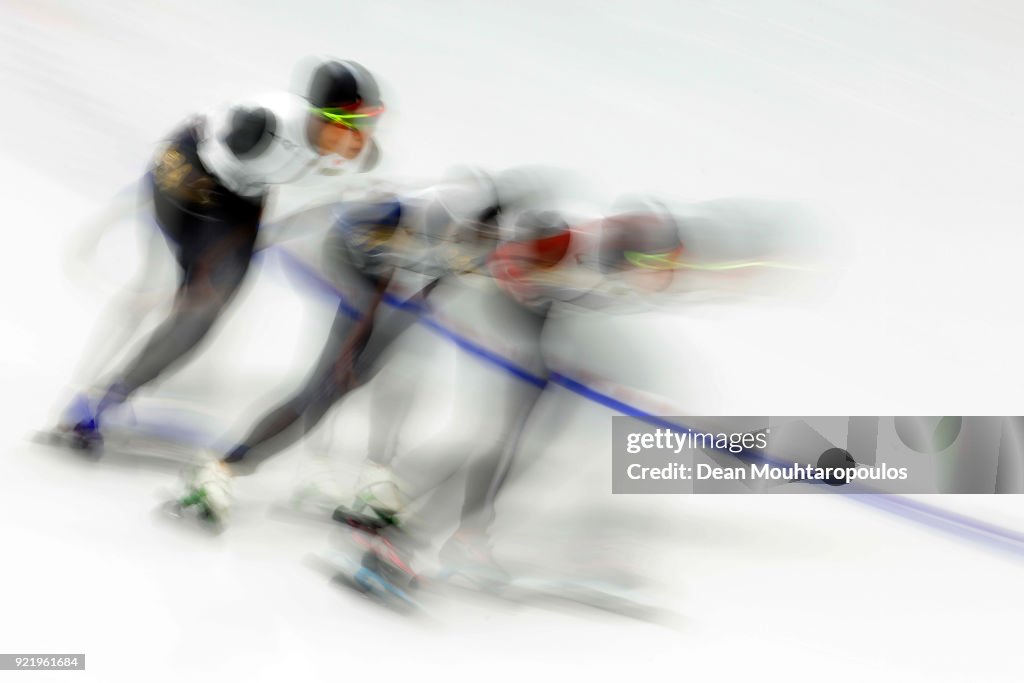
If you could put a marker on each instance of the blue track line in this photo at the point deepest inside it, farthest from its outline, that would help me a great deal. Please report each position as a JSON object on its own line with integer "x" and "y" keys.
{"x": 936, "y": 518}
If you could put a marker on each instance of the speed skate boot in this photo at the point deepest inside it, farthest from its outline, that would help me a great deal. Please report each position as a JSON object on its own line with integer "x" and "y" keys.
{"x": 208, "y": 489}
{"x": 79, "y": 427}
{"x": 384, "y": 568}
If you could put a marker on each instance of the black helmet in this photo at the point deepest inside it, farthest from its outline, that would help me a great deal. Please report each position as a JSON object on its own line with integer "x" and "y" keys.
{"x": 343, "y": 84}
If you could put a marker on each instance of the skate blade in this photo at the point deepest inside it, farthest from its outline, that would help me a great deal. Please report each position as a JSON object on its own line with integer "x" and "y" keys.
{"x": 120, "y": 450}
{"x": 58, "y": 438}
{"x": 369, "y": 524}
{"x": 344, "y": 570}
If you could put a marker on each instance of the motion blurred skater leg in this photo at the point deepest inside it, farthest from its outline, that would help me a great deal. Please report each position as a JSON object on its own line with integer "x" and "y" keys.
{"x": 483, "y": 448}
{"x": 284, "y": 424}
{"x": 389, "y": 407}
{"x": 349, "y": 359}
{"x": 391, "y": 402}
{"x": 127, "y": 314}
{"x": 287, "y": 422}
{"x": 487, "y": 473}
{"x": 214, "y": 264}
{"x": 212, "y": 233}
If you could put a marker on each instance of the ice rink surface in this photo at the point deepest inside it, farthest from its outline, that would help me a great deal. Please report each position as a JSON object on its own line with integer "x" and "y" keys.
{"x": 898, "y": 123}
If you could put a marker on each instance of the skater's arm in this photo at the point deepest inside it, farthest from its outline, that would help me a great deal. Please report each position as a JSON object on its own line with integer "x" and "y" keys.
{"x": 234, "y": 144}
{"x": 249, "y": 131}
{"x": 344, "y": 365}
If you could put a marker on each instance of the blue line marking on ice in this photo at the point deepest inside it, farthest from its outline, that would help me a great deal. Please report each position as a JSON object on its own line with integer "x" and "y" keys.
{"x": 936, "y": 518}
